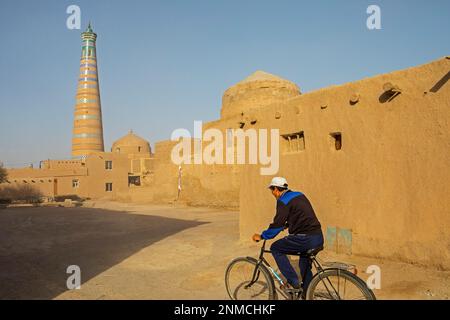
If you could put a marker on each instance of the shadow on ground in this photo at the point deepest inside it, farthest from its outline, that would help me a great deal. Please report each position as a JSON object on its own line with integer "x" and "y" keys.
{"x": 38, "y": 244}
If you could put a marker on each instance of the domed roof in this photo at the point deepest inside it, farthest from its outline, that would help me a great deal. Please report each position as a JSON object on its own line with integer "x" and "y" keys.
{"x": 130, "y": 140}
{"x": 131, "y": 143}
{"x": 258, "y": 90}
{"x": 263, "y": 76}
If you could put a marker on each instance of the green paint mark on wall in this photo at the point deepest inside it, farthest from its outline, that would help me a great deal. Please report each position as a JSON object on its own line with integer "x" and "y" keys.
{"x": 339, "y": 240}
{"x": 330, "y": 239}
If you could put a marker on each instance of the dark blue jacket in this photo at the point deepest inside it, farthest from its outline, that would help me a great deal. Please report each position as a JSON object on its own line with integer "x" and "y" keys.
{"x": 294, "y": 211}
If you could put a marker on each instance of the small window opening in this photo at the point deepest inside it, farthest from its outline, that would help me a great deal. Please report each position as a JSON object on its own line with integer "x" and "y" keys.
{"x": 336, "y": 138}
{"x": 134, "y": 180}
{"x": 108, "y": 165}
{"x": 293, "y": 142}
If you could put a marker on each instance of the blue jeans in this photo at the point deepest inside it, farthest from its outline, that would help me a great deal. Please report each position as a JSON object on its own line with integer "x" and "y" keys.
{"x": 293, "y": 244}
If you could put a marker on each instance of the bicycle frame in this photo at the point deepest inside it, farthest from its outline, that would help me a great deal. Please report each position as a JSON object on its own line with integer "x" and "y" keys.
{"x": 262, "y": 261}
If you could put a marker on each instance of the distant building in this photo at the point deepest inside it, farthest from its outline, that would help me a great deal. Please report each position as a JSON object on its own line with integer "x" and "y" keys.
{"x": 87, "y": 124}
{"x": 99, "y": 175}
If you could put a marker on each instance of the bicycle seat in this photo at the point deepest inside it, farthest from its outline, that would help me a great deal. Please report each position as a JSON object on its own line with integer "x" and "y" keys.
{"x": 311, "y": 252}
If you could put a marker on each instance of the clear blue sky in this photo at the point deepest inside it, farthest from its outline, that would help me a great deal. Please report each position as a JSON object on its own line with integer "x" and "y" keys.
{"x": 164, "y": 64}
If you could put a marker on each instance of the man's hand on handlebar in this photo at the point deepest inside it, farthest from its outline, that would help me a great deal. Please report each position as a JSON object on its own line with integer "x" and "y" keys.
{"x": 256, "y": 237}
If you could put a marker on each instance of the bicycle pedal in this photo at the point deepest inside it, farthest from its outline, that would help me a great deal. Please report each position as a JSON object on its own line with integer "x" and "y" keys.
{"x": 295, "y": 294}
{"x": 292, "y": 290}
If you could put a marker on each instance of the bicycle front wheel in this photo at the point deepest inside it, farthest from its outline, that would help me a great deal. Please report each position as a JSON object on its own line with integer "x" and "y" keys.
{"x": 337, "y": 284}
{"x": 238, "y": 281}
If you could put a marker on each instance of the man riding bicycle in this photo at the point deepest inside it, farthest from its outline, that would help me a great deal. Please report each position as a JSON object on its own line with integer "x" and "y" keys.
{"x": 293, "y": 211}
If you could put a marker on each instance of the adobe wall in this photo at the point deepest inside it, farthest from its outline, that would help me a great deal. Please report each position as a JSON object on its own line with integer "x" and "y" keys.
{"x": 211, "y": 185}
{"x": 45, "y": 186}
{"x": 61, "y": 164}
{"x": 51, "y": 182}
{"x": 98, "y": 175}
{"x": 215, "y": 185}
{"x": 389, "y": 184}
{"x": 56, "y": 176}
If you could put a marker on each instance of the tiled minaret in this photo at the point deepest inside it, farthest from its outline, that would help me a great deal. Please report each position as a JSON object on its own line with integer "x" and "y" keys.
{"x": 87, "y": 125}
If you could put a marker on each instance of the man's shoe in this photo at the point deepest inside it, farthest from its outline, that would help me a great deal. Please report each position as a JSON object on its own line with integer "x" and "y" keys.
{"x": 290, "y": 288}
{"x": 293, "y": 292}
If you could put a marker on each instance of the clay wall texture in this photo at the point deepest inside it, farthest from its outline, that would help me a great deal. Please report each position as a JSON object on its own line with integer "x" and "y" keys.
{"x": 55, "y": 178}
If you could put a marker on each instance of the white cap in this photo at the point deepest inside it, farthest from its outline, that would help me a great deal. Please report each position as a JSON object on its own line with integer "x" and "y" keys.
{"x": 279, "y": 182}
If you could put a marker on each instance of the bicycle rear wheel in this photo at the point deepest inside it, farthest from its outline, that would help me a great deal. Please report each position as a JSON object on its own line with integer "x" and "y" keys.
{"x": 238, "y": 277}
{"x": 337, "y": 284}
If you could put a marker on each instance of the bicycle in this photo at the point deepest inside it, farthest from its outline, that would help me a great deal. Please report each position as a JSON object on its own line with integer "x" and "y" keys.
{"x": 255, "y": 280}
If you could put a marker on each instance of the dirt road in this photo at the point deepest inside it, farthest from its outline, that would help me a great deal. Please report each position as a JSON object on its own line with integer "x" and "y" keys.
{"x": 128, "y": 251}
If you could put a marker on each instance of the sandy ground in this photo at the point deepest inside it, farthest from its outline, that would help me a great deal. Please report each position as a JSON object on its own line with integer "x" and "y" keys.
{"x": 130, "y": 251}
